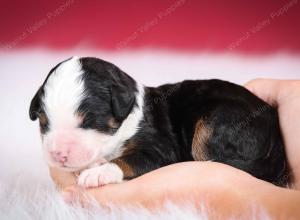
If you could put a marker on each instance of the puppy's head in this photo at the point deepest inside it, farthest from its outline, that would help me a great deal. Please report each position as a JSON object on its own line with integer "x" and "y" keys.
{"x": 82, "y": 106}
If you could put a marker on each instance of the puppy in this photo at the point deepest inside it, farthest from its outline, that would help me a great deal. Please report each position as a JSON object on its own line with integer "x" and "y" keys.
{"x": 96, "y": 119}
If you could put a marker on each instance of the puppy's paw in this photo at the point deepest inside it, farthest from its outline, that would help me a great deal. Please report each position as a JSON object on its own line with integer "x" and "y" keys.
{"x": 101, "y": 175}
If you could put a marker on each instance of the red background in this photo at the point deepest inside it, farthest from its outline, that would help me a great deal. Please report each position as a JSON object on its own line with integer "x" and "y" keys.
{"x": 193, "y": 25}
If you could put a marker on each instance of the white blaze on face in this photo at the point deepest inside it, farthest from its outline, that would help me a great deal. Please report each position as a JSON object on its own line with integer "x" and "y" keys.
{"x": 63, "y": 93}
{"x": 65, "y": 143}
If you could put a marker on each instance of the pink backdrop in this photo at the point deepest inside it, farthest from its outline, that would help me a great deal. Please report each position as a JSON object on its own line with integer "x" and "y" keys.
{"x": 230, "y": 25}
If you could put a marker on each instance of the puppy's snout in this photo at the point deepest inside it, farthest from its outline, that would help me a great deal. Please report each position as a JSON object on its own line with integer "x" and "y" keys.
{"x": 68, "y": 149}
{"x": 60, "y": 146}
{"x": 60, "y": 156}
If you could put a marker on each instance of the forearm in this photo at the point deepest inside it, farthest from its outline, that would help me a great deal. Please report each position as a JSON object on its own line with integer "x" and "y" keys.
{"x": 224, "y": 192}
{"x": 280, "y": 203}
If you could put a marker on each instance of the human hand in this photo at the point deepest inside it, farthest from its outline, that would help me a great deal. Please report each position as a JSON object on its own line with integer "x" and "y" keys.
{"x": 285, "y": 95}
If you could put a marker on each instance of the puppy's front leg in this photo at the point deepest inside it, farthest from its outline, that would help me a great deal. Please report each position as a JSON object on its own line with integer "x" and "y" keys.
{"x": 100, "y": 175}
{"x": 117, "y": 170}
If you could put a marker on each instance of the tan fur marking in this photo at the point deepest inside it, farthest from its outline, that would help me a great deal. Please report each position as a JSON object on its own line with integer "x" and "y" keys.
{"x": 201, "y": 135}
{"x": 125, "y": 167}
{"x": 80, "y": 116}
{"x": 43, "y": 119}
{"x": 129, "y": 147}
{"x": 112, "y": 123}
{"x": 128, "y": 171}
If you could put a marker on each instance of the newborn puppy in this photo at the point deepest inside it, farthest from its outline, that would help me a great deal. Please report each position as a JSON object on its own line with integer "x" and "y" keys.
{"x": 96, "y": 119}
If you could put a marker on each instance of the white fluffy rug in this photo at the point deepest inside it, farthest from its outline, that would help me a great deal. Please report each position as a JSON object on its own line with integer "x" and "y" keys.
{"x": 26, "y": 197}
{"x": 26, "y": 191}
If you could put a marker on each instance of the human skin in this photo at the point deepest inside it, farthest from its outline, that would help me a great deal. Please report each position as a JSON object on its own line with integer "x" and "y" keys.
{"x": 285, "y": 95}
{"x": 224, "y": 190}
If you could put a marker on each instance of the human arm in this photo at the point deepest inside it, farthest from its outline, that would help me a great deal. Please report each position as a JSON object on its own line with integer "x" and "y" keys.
{"x": 223, "y": 190}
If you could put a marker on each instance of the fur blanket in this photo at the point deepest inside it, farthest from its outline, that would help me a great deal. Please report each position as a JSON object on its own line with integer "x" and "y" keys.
{"x": 29, "y": 197}
{"x": 25, "y": 196}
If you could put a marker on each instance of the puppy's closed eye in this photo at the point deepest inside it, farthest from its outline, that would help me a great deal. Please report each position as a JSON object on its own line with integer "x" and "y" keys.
{"x": 89, "y": 120}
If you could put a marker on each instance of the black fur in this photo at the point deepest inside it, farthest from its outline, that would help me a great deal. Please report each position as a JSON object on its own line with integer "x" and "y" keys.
{"x": 245, "y": 134}
{"x": 245, "y": 130}
{"x": 35, "y": 105}
{"x": 111, "y": 92}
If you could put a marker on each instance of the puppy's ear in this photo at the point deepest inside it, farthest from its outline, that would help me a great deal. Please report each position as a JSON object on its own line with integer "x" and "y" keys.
{"x": 35, "y": 106}
{"x": 122, "y": 101}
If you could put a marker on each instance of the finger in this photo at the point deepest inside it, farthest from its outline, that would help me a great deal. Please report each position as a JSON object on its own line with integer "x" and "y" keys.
{"x": 266, "y": 89}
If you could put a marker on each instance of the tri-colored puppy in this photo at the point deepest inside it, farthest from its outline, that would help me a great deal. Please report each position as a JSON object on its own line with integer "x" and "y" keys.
{"x": 96, "y": 119}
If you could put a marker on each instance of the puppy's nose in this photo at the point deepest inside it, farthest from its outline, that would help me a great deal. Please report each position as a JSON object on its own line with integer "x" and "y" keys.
{"x": 59, "y": 156}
